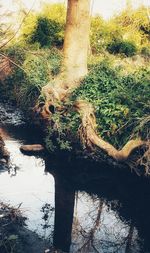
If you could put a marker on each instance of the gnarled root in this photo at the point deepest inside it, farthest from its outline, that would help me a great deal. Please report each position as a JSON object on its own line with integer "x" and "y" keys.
{"x": 88, "y": 130}
{"x": 56, "y": 94}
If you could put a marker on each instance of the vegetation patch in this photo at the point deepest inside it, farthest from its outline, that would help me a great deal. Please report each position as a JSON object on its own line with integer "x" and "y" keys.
{"x": 121, "y": 102}
{"x": 14, "y": 236}
{"x": 122, "y": 47}
{"x": 10, "y": 221}
{"x": 119, "y": 95}
{"x": 38, "y": 67}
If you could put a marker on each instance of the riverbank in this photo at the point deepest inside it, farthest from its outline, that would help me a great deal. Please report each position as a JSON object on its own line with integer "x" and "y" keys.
{"x": 115, "y": 108}
{"x": 14, "y": 236}
{"x": 70, "y": 194}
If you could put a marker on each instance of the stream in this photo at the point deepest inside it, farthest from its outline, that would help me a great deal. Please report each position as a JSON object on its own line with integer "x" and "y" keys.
{"x": 76, "y": 205}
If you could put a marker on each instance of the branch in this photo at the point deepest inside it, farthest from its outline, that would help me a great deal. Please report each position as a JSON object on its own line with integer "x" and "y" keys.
{"x": 6, "y": 57}
{"x": 11, "y": 38}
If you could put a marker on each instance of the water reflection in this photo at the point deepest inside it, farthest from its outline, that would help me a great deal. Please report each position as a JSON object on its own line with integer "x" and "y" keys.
{"x": 64, "y": 206}
{"x": 26, "y": 182}
{"x": 107, "y": 214}
{"x": 104, "y": 231}
{"x": 79, "y": 205}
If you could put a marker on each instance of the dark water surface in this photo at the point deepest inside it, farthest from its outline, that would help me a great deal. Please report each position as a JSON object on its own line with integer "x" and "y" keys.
{"x": 77, "y": 205}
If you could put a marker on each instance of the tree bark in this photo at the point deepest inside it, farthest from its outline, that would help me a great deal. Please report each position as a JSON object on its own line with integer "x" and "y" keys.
{"x": 76, "y": 40}
{"x": 75, "y": 51}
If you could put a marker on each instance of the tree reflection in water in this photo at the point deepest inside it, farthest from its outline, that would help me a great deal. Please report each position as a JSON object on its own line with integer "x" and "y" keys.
{"x": 99, "y": 215}
{"x": 97, "y": 228}
{"x": 64, "y": 206}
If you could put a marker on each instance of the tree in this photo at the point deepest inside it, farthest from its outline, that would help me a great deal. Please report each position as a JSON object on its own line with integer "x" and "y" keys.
{"x": 75, "y": 49}
{"x": 75, "y": 44}
{"x": 74, "y": 68}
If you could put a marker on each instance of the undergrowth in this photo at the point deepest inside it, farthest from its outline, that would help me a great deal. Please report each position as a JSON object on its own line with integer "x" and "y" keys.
{"x": 37, "y": 68}
{"x": 121, "y": 102}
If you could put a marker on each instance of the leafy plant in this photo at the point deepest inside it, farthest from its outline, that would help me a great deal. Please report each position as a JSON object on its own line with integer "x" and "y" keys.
{"x": 62, "y": 133}
{"x": 119, "y": 101}
{"x": 38, "y": 67}
{"x": 145, "y": 51}
{"x": 46, "y": 28}
{"x": 122, "y": 47}
{"x": 46, "y": 32}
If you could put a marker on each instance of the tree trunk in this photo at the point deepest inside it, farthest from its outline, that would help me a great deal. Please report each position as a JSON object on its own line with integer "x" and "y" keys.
{"x": 76, "y": 41}
{"x": 75, "y": 50}
{"x": 74, "y": 68}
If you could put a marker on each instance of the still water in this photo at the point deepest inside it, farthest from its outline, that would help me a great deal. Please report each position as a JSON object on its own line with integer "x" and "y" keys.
{"x": 79, "y": 206}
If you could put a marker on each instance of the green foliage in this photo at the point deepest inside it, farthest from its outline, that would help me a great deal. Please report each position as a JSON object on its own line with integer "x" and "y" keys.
{"x": 46, "y": 33}
{"x": 102, "y": 32}
{"x": 16, "y": 52}
{"x": 120, "y": 101}
{"x": 98, "y": 34}
{"x": 54, "y": 58}
{"x": 62, "y": 134}
{"x": 131, "y": 25}
{"x": 55, "y": 11}
{"x": 28, "y": 26}
{"x": 145, "y": 51}
{"x": 38, "y": 68}
{"x": 122, "y": 47}
{"x": 47, "y": 28}
{"x": 134, "y": 24}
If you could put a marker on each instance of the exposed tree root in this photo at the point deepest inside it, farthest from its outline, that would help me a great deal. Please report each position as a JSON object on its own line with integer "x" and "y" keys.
{"x": 55, "y": 94}
{"x": 144, "y": 160}
{"x": 90, "y": 137}
{"x": 87, "y": 130}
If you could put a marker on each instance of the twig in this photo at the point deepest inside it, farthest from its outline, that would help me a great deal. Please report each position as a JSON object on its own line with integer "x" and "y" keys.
{"x": 6, "y": 57}
{"x": 3, "y": 45}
